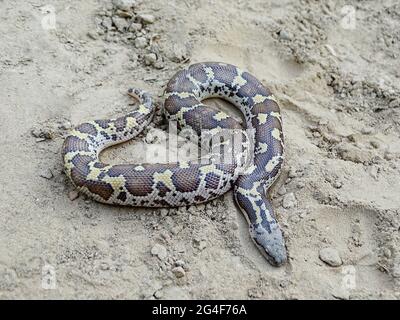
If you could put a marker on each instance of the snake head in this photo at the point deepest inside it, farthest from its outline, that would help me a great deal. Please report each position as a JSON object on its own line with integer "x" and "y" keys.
{"x": 270, "y": 243}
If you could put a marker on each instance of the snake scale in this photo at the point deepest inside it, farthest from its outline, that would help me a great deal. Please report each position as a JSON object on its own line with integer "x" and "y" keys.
{"x": 186, "y": 183}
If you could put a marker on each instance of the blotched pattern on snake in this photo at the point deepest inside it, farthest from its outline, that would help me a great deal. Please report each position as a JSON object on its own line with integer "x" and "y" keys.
{"x": 186, "y": 183}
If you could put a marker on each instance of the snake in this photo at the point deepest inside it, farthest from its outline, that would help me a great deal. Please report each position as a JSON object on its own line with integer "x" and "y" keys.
{"x": 184, "y": 183}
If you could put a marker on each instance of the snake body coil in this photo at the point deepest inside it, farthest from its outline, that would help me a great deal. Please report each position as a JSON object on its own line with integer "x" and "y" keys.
{"x": 185, "y": 183}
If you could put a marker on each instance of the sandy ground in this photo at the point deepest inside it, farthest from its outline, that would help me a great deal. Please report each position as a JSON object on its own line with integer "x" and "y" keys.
{"x": 333, "y": 65}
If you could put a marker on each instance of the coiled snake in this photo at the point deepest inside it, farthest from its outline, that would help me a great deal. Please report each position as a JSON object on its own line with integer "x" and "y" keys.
{"x": 184, "y": 183}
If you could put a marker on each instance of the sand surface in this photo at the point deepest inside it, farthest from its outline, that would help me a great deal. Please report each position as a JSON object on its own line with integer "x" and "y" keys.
{"x": 334, "y": 67}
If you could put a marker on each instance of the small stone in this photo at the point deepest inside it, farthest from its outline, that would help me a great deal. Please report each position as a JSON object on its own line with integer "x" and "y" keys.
{"x": 375, "y": 143}
{"x": 175, "y": 230}
{"x": 92, "y": 35}
{"x": 158, "y": 294}
{"x": 124, "y": 5}
{"x": 294, "y": 218}
{"x": 179, "y": 54}
{"x": 374, "y": 172}
{"x": 316, "y": 134}
{"x": 104, "y": 266}
{"x": 158, "y": 64}
{"x": 150, "y": 59}
{"x": 388, "y": 253}
{"x": 140, "y": 42}
{"x": 120, "y": 23}
{"x": 300, "y": 184}
{"x": 255, "y": 293}
{"x": 163, "y": 212}
{"x": 284, "y": 35}
{"x": 234, "y": 225}
{"x": 200, "y": 244}
{"x": 124, "y": 14}
{"x": 289, "y": 201}
{"x": 194, "y": 211}
{"x": 179, "y": 272}
{"x": 41, "y": 133}
{"x": 159, "y": 251}
{"x": 331, "y": 50}
{"x": 332, "y": 138}
{"x": 388, "y": 156}
{"x": 351, "y": 153}
{"x": 330, "y": 256}
{"x": 396, "y": 271}
{"x": 164, "y": 235}
{"x": 341, "y": 294}
{"x": 394, "y": 103}
{"x": 135, "y": 27}
{"x": 292, "y": 173}
{"x": 47, "y": 174}
{"x": 366, "y": 130}
{"x": 66, "y": 125}
{"x": 179, "y": 263}
{"x": 108, "y": 6}
{"x": 107, "y": 23}
{"x": 133, "y": 57}
{"x": 73, "y": 195}
{"x": 146, "y": 18}
{"x": 337, "y": 184}
{"x": 282, "y": 191}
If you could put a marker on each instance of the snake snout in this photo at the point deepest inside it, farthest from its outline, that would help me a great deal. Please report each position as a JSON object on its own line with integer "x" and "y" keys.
{"x": 270, "y": 243}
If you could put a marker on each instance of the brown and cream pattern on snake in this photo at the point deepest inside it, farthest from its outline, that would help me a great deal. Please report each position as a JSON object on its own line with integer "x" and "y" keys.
{"x": 186, "y": 183}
